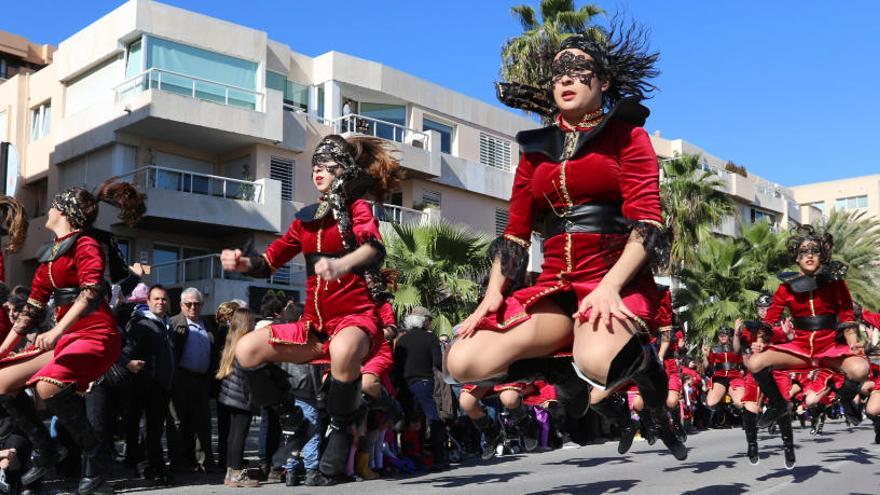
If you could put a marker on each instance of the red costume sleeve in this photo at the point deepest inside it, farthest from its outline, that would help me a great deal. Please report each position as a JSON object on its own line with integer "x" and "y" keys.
{"x": 844, "y": 303}
{"x": 871, "y": 318}
{"x": 664, "y": 312}
{"x": 89, "y": 257}
{"x": 41, "y": 287}
{"x": 640, "y": 178}
{"x": 363, "y": 223}
{"x": 522, "y": 205}
{"x": 284, "y": 248}
{"x": 777, "y": 305}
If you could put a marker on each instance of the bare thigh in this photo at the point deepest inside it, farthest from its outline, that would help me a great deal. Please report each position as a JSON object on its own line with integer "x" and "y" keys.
{"x": 596, "y": 347}
{"x": 470, "y": 402}
{"x": 778, "y": 359}
{"x": 672, "y": 399}
{"x": 14, "y": 377}
{"x": 737, "y": 394}
{"x": 254, "y": 349}
{"x": 873, "y": 406}
{"x": 348, "y": 349}
{"x": 855, "y": 368}
{"x": 510, "y": 399}
{"x": 716, "y": 394}
{"x": 371, "y": 385}
{"x": 489, "y": 353}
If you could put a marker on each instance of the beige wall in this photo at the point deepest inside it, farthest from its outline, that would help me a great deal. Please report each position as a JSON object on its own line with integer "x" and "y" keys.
{"x": 829, "y": 192}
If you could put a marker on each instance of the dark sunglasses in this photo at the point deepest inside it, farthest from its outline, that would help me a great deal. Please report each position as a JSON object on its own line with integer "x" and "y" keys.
{"x": 191, "y": 304}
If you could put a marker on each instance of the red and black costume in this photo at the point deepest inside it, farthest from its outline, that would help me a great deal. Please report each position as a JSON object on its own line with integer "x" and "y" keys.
{"x": 727, "y": 365}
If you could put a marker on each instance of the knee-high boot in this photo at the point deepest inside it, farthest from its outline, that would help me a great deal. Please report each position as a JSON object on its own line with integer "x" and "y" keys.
{"x": 654, "y": 387}
{"x": 342, "y": 405}
{"x": 750, "y": 425}
{"x": 70, "y": 408}
{"x": 614, "y": 409}
{"x": 45, "y": 454}
{"x": 785, "y": 430}
{"x": 778, "y": 406}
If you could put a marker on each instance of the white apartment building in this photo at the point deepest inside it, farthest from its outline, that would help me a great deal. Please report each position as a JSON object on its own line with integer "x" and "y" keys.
{"x": 216, "y": 122}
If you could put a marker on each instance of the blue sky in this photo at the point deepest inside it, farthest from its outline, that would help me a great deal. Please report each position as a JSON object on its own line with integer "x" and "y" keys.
{"x": 785, "y": 88}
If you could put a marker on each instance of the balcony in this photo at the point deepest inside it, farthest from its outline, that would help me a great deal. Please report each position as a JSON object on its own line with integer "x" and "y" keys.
{"x": 399, "y": 214}
{"x": 205, "y": 202}
{"x": 416, "y": 147}
{"x": 194, "y": 87}
{"x": 206, "y": 274}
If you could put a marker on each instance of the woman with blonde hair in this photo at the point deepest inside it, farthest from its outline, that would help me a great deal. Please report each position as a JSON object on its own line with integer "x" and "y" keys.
{"x": 235, "y": 397}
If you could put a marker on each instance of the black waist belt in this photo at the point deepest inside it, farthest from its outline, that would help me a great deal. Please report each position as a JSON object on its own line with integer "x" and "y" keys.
{"x": 813, "y": 323}
{"x": 728, "y": 366}
{"x": 313, "y": 258}
{"x": 65, "y": 295}
{"x": 596, "y": 218}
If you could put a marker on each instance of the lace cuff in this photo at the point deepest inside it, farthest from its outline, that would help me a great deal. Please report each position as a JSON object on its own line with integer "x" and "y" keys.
{"x": 260, "y": 266}
{"x": 655, "y": 239}
{"x": 29, "y": 318}
{"x": 514, "y": 257}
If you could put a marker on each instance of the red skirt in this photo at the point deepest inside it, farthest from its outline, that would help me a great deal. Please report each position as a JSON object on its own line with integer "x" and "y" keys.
{"x": 823, "y": 380}
{"x": 544, "y": 392}
{"x": 380, "y": 364}
{"x": 751, "y": 390}
{"x": 297, "y": 333}
{"x": 817, "y": 345}
{"x": 672, "y": 371}
{"x": 84, "y": 353}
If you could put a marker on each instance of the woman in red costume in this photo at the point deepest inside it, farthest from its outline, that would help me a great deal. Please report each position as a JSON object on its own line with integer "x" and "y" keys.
{"x": 340, "y": 239}
{"x": 727, "y": 360}
{"x": 822, "y": 310}
{"x": 592, "y": 179}
{"x": 511, "y": 397}
{"x": 85, "y": 339}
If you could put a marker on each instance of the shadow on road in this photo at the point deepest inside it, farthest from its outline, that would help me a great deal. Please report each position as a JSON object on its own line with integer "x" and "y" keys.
{"x": 859, "y": 455}
{"x": 730, "y": 489}
{"x": 470, "y": 479}
{"x": 591, "y": 461}
{"x": 702, "y": 467}
{"x": 799, "y": 473}
{"x": 596, "y": 488}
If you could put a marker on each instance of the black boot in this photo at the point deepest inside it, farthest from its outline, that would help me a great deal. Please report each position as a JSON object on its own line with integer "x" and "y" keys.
{"x": 439, "y": 445}
{"x": 654, "y": 387}
{"x": 389, "y": 406}
{"x": 70, "y": 409}
{"x": 525, "y": 424}
{"x": 646, "y": 426}
{"x": 876, "y": 421}
{"x": 343, "y": 403}
{"x": 847, "y": 393}
{"x": 615, "y": 410}
{"x": 750, "y": 425}
{"x": 784, "y": 423}
{"x": 45, "y": 454}
{"x": 677, "y": 426}
{"x": 491, "y": 434}
{"x": 777, "y": 405}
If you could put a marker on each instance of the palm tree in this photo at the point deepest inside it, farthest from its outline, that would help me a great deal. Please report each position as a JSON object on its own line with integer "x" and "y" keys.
{"x": 857, "y": 244}
{"x": 693, "y": 203}
{"x": 765, "y": 256}
{"x": 523, "y": 58}
{"x": 439, "y": 266}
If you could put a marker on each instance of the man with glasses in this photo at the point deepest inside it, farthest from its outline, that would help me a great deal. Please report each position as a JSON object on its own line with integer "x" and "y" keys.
{"x": 196, "y": 363}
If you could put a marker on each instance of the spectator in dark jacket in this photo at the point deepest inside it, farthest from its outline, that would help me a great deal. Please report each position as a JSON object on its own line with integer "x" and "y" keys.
{"x": 235, "y": 395}
{"x": 416, "y": 356}
{"x": 196, "y": 357}
{"x": 148, "y": 353}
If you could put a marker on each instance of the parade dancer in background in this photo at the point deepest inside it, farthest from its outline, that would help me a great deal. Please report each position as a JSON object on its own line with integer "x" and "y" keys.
{"x": 822, "y": 310}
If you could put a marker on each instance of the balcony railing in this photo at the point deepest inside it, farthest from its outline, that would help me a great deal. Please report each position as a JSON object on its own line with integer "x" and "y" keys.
{"x": 192, "y": 86}
{"x": 156, "y": 177}
{"x": 208, "y": 267}
{"x": 398, "y": 214}
{"x": 369, "y": 126}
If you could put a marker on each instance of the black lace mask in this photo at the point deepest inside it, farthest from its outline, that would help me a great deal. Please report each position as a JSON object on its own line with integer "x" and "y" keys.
{"x": 329, "y": 151}
{"x": 577, "y": 67}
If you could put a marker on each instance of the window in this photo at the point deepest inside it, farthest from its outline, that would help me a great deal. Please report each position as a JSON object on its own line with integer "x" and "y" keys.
{"x": 502, "y": 216}
{"x": 134, "y": 60}
{"x": 168, "y": 269}
{"x": 165, "y": 264}
{"x": 3, "y": 68}
{"x": 296, "y": 96}
{"x": 818, "y": 204}
{"x": 445, "y": 133}
{"x": 41, "y": 121}
{"x": 218, "y": 75}
{"x": 494, "y": 152}
{"x": 394, "y": 114}
{"x": 431, "y": 198}
{"x": 758, "y": 216}
{"x": 124, "y": 249}
{"x": 96, "y": 84}
{"x": 282, "y": 170}
{"x": 282, "y": 275}
{"x": 851, "y": 203}
{"x": 321, "y": 102}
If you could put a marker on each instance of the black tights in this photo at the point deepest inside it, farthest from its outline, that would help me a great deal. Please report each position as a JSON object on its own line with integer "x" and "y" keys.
{"x": 239, "y": 426}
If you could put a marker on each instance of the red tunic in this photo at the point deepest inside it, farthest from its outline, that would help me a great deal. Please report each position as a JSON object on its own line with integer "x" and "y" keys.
{"x": 331, "y": 305}
{"x": 618, "y": 166}
{"x": 92, "y": 344}
{"x": 831, "y": 298}
{"x": 728, "y": 364}
{"x": 543, "y": 392}
{"x": 382, "y": 362}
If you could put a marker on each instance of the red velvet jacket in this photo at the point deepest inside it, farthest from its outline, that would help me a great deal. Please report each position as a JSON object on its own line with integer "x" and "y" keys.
{"x": 327, "y": 300}
{"x": 831, "y": 298}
